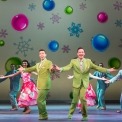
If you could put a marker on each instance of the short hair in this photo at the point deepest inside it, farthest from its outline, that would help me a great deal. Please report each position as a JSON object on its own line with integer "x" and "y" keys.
{"x": 79, "y": 48}
{"x": 12, "y": 64}
{"x": 42, "y": 50}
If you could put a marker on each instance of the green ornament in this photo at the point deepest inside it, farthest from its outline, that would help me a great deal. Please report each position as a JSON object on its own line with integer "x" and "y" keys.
{"x": 13, "y": 60}
{"x": 68, "y": 10}
{"x": 114, "y": 63}
{"x": 2, "y": 43}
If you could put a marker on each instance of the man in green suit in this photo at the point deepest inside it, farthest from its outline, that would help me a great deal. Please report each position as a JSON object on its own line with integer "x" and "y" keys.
{"x": 43, "y": 69}
{"x": 81, "y": 69}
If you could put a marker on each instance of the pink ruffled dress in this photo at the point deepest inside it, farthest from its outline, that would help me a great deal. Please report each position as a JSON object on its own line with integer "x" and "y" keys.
{"x": 90, "y": 97}
{"x": 28, "y": 93}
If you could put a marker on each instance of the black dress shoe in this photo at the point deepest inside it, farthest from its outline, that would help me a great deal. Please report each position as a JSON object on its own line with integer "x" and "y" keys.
{"x": 24, "y": 109}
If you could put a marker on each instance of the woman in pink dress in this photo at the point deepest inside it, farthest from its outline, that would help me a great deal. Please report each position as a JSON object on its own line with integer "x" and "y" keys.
{"x": 28, "y": 93}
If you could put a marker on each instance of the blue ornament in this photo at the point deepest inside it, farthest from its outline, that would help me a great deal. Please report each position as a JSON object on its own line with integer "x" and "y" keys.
{"x": 53, "y": 45}
{"x": 48, "y": 5}
{"x": 100, "y": 42}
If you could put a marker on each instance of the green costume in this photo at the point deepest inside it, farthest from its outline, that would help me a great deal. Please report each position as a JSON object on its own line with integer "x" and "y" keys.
{"x": 43, "y": 84}
{"x": 80, "y": 82}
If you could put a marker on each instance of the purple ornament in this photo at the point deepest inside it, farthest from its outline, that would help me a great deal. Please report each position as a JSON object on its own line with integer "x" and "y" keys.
{"x": 19, "y": 22}
{"x": 102, "y": 17}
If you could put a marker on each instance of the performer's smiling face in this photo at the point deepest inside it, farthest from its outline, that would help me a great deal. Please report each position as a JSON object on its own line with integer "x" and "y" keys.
{"x": 13, "y": 66}
{"x": 42, "y": 55}
{"x": 24, "y": 64}
{"x": 80, "y": 53}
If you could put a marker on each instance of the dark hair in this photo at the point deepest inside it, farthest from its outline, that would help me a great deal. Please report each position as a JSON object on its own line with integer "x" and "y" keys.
{"x": 79, "y": 48}
{"x": 42, "y": 50}
{"x": 28, "y": 64}
{"x": 12, "y": 64}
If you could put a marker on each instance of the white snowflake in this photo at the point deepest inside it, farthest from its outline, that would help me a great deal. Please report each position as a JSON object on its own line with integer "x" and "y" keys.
{"x": 40, "y": 26}
{"x": 23, "y": 46}
{"x": 3, "y": 33}
{"x": 32, "y": 63}
{"x": 55, "y": 18}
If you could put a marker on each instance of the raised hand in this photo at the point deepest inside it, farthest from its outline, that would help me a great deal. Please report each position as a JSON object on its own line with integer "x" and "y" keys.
{"x": 53, "y": 69}
{"x": 20, "y": 68}
{"x": 104, "y": 78}
{"x": 112, "y": 70}
{"x": 57, "y": 68}
{"x": 107, "y": 81}
{"x": 70, "y": 76}
{"x": 2, "y": 76}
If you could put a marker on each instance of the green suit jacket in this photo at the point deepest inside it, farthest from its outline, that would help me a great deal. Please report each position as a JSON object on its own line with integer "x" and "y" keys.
{"x": 43, "y": 80}
{"x": 82, "y": 75}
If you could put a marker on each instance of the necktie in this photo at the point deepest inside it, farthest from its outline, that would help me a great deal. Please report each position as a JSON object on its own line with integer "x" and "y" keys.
{"x": 40, "y": 64}
{"x": 81, "y": 65}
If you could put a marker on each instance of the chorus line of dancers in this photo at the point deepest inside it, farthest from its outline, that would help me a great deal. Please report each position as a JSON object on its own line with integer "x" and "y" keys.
{"x": 32, "y": 94}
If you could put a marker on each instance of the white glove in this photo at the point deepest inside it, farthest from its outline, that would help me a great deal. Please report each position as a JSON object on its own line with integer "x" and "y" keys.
{"x": 70, "y": 76}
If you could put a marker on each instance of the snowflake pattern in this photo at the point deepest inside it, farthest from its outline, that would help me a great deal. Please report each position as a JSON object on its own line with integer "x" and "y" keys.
{"x": 32, "y": 63}
{"x": 3, "y": 33}
{"x": 32, "y": 6}
{"x": 75, "y": 29}
{"x": 41, "y": 25}
{"x": 66, "y": 49}
{"x": 118, "y": 23}
{"x": 120, "y": 44}
{"x": 82, "y": 6}
{"x": 23, "y": 46}
{"x": 55, "y": 18}
{"x": 117, "y": 5}
{"x": 55, "y": 75}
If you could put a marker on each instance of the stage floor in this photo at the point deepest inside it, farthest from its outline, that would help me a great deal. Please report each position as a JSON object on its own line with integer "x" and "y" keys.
{"x": 58, "y": 113}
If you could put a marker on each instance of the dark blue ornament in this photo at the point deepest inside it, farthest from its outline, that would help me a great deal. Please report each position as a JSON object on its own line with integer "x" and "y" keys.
{"x": 53, "y": 45}
{"x": 100, "y": 42}
{"x": 48, "y": 5}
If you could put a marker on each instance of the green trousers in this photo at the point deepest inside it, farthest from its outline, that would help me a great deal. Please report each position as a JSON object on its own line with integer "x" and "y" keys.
{"x": 79, "y": 93}
{"x": 41, "y": 102}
